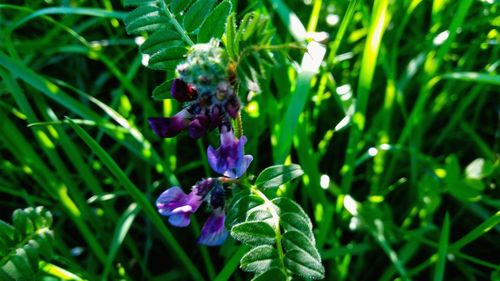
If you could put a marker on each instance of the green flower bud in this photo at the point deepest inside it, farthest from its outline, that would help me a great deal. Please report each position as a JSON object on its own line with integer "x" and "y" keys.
{"x": 205, "y": 66}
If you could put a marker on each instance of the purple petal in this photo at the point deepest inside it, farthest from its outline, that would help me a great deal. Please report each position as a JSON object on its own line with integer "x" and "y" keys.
{"x": 199, "y": 126}
{"x": 216, "y": 115}
{"x": 166, "y": 127}
{"x": 213, "y": 160}
{"x": 229, "y": 158}
{"x": 232, "y": 106}
{"x": 217, "y": 197}
{"x": 182, "y": 91}
{"x": 240, "y": 169}
{"x": 171, "y": 199}
{"x": 213, "y": 232}
{"x": 178, "y": 206}
{"x": 180, "y": 219}
{"x": 227, "y": 138}
{"x": 203, "y": 187}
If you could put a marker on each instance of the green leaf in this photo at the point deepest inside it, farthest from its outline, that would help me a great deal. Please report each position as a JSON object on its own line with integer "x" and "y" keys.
{"x": 122, "y": 228}
{"x": 231, "y": 45}
{"x": 467, "y": 189}
{"x": 294, "y": 240}
{"x": 260, "y": 259}
{"x": 262, "y": 224}
{"x": 254, "y": 233}
{"x": 259, "y": 213}
{"x": 238, "y": 210}
{"x": 452, "y": 169}
{"x": 477, "y": 232}
{"x": 161, "y": 39}
{"x": 442, "y": 249}
{"x": 145, "y": 18}
{"x": 128, "y": 3}
{"x": 162, "y": 91}
{"x": 197, "y": 14}
{"x": 248, "y": 27}
{"x": 296, "y": 222}
{"x": 22, "y": 244}
{"x": 304, "y": 265}
{"x": 214, "y": 25}
{"x": 277, "y": 175}
{"x": 166, "y": 59}
{"x": 178, "y": 6}
{"x": 273, "y": 274}
{"x": 285, "y": 205}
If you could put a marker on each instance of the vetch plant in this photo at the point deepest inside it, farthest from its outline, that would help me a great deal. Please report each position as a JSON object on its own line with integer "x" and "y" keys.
{"x": 25, "y": 243}
{"x": 208, "y": 79}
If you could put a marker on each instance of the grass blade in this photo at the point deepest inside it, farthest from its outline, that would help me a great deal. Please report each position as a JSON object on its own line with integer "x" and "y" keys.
{"x": 138, "y": 197}
{"x": 442, "y": 250}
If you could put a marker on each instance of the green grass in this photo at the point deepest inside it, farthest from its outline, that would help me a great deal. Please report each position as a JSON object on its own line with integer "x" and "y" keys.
{"x": 376, "y": 114}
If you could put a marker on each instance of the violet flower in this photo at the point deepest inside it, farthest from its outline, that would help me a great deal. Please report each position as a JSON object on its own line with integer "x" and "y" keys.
{"x": 178, "y": 206}
{"x": 182, "y": 91}
{"x": 228, "y": 159}
{"x": 170, "y": 127}
{"x": 213, "y": 232}
{"x": 199, "y": 126}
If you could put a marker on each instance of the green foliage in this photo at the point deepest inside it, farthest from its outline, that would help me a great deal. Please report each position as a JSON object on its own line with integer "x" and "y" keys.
{"x": 277, "y": 175}
{"x": 279, "y": 230}
{"x": 24, "y": 243}
{"x": 468, "y": 185}
{"x": 197, "y": 14}
{"x": 249, "y": 46}
{"x": 168, "y": 39}
{"x": 214, "y": 25}
{"x": 429, "y": 145}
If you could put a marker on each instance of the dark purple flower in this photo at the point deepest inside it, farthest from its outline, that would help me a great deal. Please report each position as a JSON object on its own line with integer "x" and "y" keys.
{"x": 217, "y": 197}
{"x": 228, "y": 159}
{"x": 216, "y": 116}
{"x": 199, "y": 126}
{"x": 232, "y": 105}
{"x": 178, "y": 206}
{"x": 182, "y": 91}
{"x": 204, "y": 186}
{"x": 213, "y": 232}
{"x": 170, "y": 127}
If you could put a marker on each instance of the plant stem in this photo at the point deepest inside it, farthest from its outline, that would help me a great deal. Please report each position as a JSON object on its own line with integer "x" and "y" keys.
{"x": 239, "y": 126}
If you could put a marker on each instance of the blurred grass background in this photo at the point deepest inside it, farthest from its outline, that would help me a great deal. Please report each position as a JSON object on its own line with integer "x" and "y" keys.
{"x": 396, "y": 128}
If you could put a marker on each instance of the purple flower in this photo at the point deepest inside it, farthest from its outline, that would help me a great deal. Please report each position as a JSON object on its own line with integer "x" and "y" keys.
{"x": 199, "y": 126}
{"x": 213, "y": 232}
{"x": 232, "y": 106}
{"x": 182, "y": 91}
{"x": 170, "y": 127}
{"x": 178, "y": 206}
{"x": 216, "y": 116}
{"x": 216, "y": 198}
{"x": 228, "y": 159}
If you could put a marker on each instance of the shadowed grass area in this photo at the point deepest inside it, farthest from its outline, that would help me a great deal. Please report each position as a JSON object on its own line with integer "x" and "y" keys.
{"x": 390, "y": 108}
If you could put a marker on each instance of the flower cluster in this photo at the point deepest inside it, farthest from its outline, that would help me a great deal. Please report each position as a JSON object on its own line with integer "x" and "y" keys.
{"x": 210, "y": 103}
